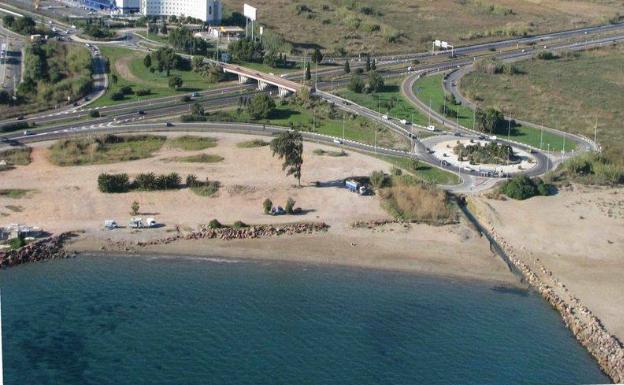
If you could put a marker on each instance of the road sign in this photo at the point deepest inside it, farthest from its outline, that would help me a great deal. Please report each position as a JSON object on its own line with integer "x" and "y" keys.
{"x": 249, "y": 12}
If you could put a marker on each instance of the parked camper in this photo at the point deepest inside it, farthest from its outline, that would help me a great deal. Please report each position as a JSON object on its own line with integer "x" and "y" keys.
{"x": 151, "y": 222}
{"x": 110, "y": 224}
{"x": 278, "y": 210}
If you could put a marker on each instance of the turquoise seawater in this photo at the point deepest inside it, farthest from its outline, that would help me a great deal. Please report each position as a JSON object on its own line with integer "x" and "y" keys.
{"x": 115, "y": 320}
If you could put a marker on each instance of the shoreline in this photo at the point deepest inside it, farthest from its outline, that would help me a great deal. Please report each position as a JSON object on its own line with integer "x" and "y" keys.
{"x": 361, "y": 248}
{"x": 605, "y": 347}
{"x": 233, "y": 258}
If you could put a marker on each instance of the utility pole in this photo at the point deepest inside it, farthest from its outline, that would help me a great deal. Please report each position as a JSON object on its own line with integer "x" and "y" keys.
{"x": 509, "y": 129}
{"x": 596, "y": 131}
{"x": 429, "y": 111}
{"x": 343, "y": 126}
{"x": 542, "y": 136}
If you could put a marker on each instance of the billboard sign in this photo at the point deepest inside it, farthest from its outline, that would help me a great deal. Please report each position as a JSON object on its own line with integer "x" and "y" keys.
{"x": 437, "y": 43}
{"x": 249, "y": 12}
{"x": 444, "y": 44}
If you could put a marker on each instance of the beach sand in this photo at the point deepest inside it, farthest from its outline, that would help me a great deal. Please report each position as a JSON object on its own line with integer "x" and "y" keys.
{"x": 578, "y": 235}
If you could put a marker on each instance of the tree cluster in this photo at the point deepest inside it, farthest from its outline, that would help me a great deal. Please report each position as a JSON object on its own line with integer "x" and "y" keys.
{"x": 261, "y": 106}
{"x": 55, "y": 73}
{"x": 375, "y": 83}
{"x": 120, "y": 183}
{"x": 246, "y": 50}
{"x": 491, "y": 153}
{"x": 22, "y": 25}
{"x": 183, "y": 39}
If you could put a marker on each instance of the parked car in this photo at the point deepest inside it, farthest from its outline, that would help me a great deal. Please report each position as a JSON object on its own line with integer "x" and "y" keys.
{"x": 110, "y": 224}
{"x": 169, "y": 124}
{"x": 141, "y": 112}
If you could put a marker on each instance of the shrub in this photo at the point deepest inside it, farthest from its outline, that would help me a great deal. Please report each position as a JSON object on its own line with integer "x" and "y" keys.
{"x": 191, "y": 181}
{"x": 378, "y": 179}
{"x": 117, "y": 96}
{"x": 417, "y": 202}
{"x": 214, "y": 224}
{"x": 239, "y": 225}
{"x": 267, "y": 205}
{"x": 522, "y": 187}
{"x": 113, "y": 183}
{"x": 126, "y": 90}
{"x": 396, "y": 171}
{"x": 290, "y": 206}
{"x": 134, "y": 209}
{"x": 14, "y": 126}
{"x": 143, "y": 92}
{"x": 185, "y": 98}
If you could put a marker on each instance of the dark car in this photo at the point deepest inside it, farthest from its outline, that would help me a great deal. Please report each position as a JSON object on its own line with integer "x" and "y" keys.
{"x": 141, "y": 112}
{"x": 169, "y": 124}
{"x": 21, "y": 117}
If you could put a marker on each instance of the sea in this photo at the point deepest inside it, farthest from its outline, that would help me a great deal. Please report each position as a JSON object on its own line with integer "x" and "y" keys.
{"x": 192, "y": 321}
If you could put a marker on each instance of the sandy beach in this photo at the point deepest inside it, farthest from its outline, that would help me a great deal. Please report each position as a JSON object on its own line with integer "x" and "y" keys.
{"x": 578, "y": 235}
{"x": 66, "y": 198}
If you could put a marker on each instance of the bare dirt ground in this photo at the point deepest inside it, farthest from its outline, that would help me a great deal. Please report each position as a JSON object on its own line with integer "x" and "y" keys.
{"x": 579, "y": 236}
{"x": 67, "y": 198}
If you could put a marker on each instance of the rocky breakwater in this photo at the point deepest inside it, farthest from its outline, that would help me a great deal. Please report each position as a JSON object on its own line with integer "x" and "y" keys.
{"x": 231, "y": 233}
{"x": 41, "y": 250}
{"x": 584, "y": 325}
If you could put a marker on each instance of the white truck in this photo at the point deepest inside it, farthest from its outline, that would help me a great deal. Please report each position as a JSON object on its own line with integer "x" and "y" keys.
{"x": 431, "y": 128}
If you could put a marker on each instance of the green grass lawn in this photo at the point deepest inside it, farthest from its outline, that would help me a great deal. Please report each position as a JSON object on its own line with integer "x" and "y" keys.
{"x": 139, "y": 77}
{"x": 573, "y": 93}
{"x": 201, "y": 158}
{"x": 429, "y": 90}
{"x": 104, "y": 150}
{"x": 422, "y": 171}
{"x": 154, "y": 37}
{"x": 389, "y": 102}
{"x": 355, "y": 128}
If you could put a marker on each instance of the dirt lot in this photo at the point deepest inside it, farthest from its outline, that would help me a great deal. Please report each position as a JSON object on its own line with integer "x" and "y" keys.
{"x": 579, "y": 235}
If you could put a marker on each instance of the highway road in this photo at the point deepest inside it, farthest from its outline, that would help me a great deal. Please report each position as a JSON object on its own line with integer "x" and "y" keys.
{"x": 56, "y": 125}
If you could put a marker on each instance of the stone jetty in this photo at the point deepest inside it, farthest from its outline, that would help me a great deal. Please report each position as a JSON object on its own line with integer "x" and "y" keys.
{"x": 40, "y": 250}
{"x": 251, "y": 232}
{"x": 584, "y": 325}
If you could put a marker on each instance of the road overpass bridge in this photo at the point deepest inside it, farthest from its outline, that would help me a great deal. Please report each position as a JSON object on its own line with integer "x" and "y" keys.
{"x": 265, "y": 80}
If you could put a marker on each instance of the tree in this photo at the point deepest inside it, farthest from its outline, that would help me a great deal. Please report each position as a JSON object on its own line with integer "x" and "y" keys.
{"x": 197, "y": 109}
{"x": 135, "y": 208}
{"x": 267, "y": 205}
{"x": 290, "y": 206}
{"x": 368, "y": 63}
{"x": 356, "y": 84}
{"x": 5, "y": 97}
{"x": 175, "y": 82}
{"x": 375, "y": 81}
{"x": 147, "y": 61}
{"x": 489, "y": 120}
{"x": 166, "y": 59}
{"x": 261, "y": 106}
{"x": 163, "y": 29}
{"x": 374, "y": 65}
{"x": 317, "y": 56}
{"x": 114, "y": 78}
{"x": 289, "y": 147}
{"x": 308, "y": 75}
{"x": 347, "y": 67}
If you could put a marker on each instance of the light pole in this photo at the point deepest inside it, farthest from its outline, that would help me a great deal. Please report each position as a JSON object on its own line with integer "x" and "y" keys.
{"x": 542, "y": 137}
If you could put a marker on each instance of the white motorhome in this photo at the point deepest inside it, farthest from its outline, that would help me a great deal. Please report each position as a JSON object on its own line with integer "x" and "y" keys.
{"x": 110, "y": 224}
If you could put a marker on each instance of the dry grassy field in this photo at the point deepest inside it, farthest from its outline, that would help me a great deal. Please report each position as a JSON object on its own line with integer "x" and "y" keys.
{"x": 572, "y": 93}
{"x": 400, "y": 25}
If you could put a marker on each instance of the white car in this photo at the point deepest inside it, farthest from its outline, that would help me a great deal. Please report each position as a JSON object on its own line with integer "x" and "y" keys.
{"x": 384, "y": 117}
{"x": 431, "y": 128}
{"x": 404, "y": 122}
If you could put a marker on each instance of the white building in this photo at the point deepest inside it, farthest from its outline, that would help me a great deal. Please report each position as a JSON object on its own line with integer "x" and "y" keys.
{"x": 128, "y": 6}
{"x": 208, "y": 11}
